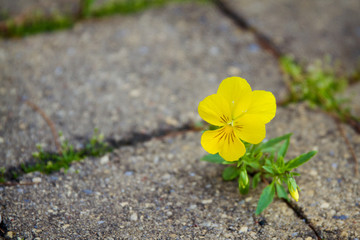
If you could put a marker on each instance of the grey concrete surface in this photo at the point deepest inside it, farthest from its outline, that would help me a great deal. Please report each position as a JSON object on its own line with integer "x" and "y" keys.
{"x": 124, "y": 74}
{"x": 146, "y": 72}
{"x": 157, "y": 190}
{"x": 308, "y": 29}
{"x": 330, "y": 194}
{"x": 160, "y": 189}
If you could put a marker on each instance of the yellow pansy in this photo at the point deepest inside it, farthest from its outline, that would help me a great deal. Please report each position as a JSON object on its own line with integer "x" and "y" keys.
{"x": 240, "y": 113}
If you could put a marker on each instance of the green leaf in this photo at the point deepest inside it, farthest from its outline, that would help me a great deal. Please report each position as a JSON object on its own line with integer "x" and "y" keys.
{"x": 269, "y": 169}
{"x": 281, "y": 192}
{"x": 280, "y": 163}
{"x": 230, "y": 173}
{"x": 269, "y": 145}
{"x": 256, "y": 180}
{"x": 254, "y": 164}
{"x": 284, "y": 147}
{"x": 214, "y": 158}
{"x": 266, "y": 198}
{"x": 296, "y": 162}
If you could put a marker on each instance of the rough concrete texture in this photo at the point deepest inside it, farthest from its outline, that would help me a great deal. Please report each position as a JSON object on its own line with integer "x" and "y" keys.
{"x": 157, "y": 190}
{"x": 124, "y": 74}
{"x": 142, "y": 73}
{"x": 330, "y": 194}
{"x": 308, "y": 29}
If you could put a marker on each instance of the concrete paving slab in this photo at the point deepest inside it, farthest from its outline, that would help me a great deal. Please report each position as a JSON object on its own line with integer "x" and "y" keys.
{"x": 330, "y": 193}
{"x": 308, "y": 29}
{"x": 155, "y": 190}
{"x": 138, "y": 73}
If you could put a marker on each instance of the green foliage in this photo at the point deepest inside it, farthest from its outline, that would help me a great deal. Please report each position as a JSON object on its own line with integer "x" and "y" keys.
{"x": 48, "y": 162}
{"x": 318, "y": 85}
{"x": 86, "y": 8}
{"x": 230, "y": 173}
{"x": 40, "y": 23}
{"x": 264, "y": 161}
{"x": 2, "y": 174}
{"x": 36, "y": 24}
{"x": 266, "y": 198}
{"x": 214, "y": 158}
{"x": 131, "y": 6}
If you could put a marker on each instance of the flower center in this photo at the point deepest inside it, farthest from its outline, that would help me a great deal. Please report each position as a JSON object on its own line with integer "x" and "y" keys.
{"x": 228, "y": 128}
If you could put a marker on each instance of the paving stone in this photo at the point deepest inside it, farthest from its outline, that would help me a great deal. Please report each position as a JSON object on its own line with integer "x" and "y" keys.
{"x": 158, "y": 189}
{"x": 330, "y": 191}
{"x": 128, "y": 74}
{"x": 308, "y": 29}
{"x": 10, "y": 9}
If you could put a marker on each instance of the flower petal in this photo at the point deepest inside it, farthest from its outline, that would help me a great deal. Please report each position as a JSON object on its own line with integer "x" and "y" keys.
{"x": 263, "y": 106}
{"x": 236, "y": 90}
{"x": 223, "y": 141}
{"x": 210, "y": 140}
{"x": 215, "y": 110}
{"x": 250, "y": 129}
{"x": 232, "y": 148}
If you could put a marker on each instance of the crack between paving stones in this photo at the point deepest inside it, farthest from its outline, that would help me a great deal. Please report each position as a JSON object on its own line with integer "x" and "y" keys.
{"x": 264, "y": 41}
{"x": 301, "y": 215}
{"x": 267, "y": 44}
{"x": 133, "y": 139}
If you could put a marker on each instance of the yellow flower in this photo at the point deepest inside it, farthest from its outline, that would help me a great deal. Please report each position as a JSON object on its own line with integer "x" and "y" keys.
{"x": 240, "y": 113}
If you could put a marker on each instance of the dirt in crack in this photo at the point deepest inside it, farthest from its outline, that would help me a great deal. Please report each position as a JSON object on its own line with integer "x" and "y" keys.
{"x": 264, "y": 41}
{"x": 300, "y": 214}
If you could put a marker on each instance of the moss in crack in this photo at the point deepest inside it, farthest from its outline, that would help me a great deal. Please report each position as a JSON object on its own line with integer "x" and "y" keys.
{"x": 2, "y": 174}
{"x": 319, "y": 85}
{"x": 131, "y": 6}
{"x": 38, "y": 23}
{"x": 48, "y": 162}
{"x": 35, "y": 24}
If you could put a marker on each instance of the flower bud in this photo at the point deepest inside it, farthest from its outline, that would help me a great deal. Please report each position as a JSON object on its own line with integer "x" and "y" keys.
{"x": 293, "y": 189}
{"x": 244, "y": 179}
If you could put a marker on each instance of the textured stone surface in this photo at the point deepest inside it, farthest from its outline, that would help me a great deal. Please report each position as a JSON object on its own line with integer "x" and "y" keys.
{"x": 158, "y": 189}
{"x": 330, "y": 191}
{"x": 123, "y": 74}
{"x": 147, "y": 72}
{"x": 308, "y": 29}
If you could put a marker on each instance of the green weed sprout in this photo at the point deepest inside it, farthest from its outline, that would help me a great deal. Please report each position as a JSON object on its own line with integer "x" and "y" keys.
{"x": 48, "y": 162}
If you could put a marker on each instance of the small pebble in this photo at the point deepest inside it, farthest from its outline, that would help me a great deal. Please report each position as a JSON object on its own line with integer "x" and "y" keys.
{"x": 1, "y": 140}
{"x": 341, "y": 217}
{"x": 129, "y": 173}
{"x": 243, "y": 229}
{"x": 134, "y": 217}
{"x": 104, "y": 159}
{"x": 207, "y": 201}
{"x": 88, "y": 191}
{"x": 325, "y": 205}
{"x": 65, "y": 226}
{"x": 36, "y": 180}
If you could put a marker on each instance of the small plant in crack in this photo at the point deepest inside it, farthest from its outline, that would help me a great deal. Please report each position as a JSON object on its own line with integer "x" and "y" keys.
{"x": 235, "y": 138}
{"x": 318, "y": 85}
{"x": 48, "y": 162}
{"x": 2, "y": 174}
